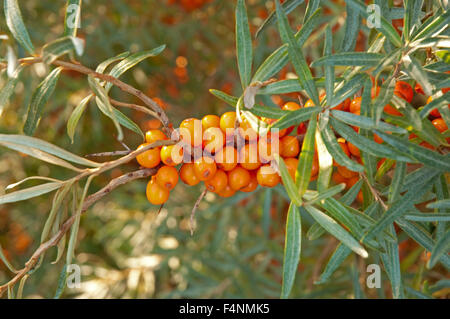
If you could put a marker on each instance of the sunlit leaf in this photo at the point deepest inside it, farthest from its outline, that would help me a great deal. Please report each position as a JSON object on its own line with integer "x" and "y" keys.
{"x": 16, "y": 26}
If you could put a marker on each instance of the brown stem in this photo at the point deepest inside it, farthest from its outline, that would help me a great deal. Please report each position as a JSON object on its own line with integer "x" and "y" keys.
{"x": 197, "y": 204}
{"x": 90, "y": 200}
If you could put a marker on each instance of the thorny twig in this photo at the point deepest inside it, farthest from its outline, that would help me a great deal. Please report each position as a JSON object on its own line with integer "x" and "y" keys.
{"x": 197, "y": 204}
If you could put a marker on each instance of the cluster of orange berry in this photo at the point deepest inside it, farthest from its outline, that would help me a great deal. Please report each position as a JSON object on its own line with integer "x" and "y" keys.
{"x": 225, "y": 156}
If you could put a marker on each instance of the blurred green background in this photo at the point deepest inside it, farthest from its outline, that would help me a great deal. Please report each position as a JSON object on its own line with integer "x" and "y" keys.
{"x": 126, "y": 249}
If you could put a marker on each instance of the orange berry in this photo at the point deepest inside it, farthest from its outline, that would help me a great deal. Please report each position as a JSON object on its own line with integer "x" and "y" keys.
{"x": 213, "y": 139}
{"x": 346, "y": 172}
{"x": 309, "y": 103}
{"x": 315, "y": 167}
{"x": 344, "y": 146}
{"x": 352, "y": 181}
{"x": 205, "y": 168}
{"x": 427, "y": 145}
{"x": 227, "y": 192}
{"x": 227, "y": 122}
{"x": 248, "y": 157}
{"x": 289, "y": 146}
{"x": 150, "y": 158}
{"x": 238, "y": 178}
{"x": 389, "y": 109}
{"x": 267, "y": 176}
{"x": 291, "y": 106}
{"x": 156, "y": 194}
{"x": 338, "y": 178}
{"x": 355, "y": 106}
{"x": 440, "y": 125}
{"x": 343, "y": 106}
{"x": 301, "y": 128}
{"x": 152, "y": 136}
{"x": 353, "y": 149}
{"x": 210, "y": 121}
{"x": 266, "y": 150}
{"x": 187, "y": 174}
{"x": 418, "y": 89}
{"x": 246, "y": 131}
{"x": 218, "y": 182}
{"x": 377, "y": 139}
{"x": 226, "y": 158}
{"x": 360, "y": 197}
{"x": 252, "y": 185}
{"x": 272, "y": 133}
{"x": 404, "y": 90}
{"x": 375, "y": 91}
{"x": 172, "y": 155}
{"x": 167, "y": 177}
{"x": 291, "y": 164}
{"x": 191, "y": 131}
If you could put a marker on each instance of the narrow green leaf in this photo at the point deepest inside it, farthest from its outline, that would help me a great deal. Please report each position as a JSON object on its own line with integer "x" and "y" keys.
{"x": 131, "y": 61}
{"x": 417, "y": 72}
{"x": 336, "y": 151}
{"x": 440, "y": 248}
{"x": 244, "y": 50}
{"x": 55, "y": 49}
{"x": 29, "y": 192}
{"x": 397, "y": 181}
{"x": 62, "y": 281}
{"x": 288, "y": 7}
{"x": 336, "y": 230}
{"x": 349, "y": 59}
{"x": 231, "y": 100}
{"x": 338, "y": 257}
{"x": 428, "y": 217}
{"x": 421, "y": 154}
{"x": 102, "y": 66}
{"x": 46, "y": 147}
{"x": 8, "y": 89}
{"x": 279, "y": 58}
{"x": 315, "y": 231}
{"x": 292, "y": 250}
{"x": 312, "y": 6}
{"x": 329, "y": 70}
{"x": 76, "y": 115}
{"x": 326, "y": 194}
{"x": 303, "y": 173}
{"x": 352, "y": 27}
{"x": 72, "y": 17}
{"x": 40, "y": 97}
{"x": 440, "y": 204}
{"x": 436, "y": 26}
{"x": 288, "y": 183}
{"x": 391, "y": 261}
{"x": 6, "y": 261}
{"x": 369, "y": 146}
{"x": 296, "y": 56}
{"x": 366, "y": 122}
{"x": 16, "y": 26}
{"x": 351, "y": 194}
{"x": 291, "y": 118}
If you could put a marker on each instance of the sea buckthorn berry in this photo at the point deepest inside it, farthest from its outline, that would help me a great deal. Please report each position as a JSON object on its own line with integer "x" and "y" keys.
{"x": 440, "y": 125}
{"x": 150, "y": 158}
{"x": 167, "y": 177}
{"x": 353, "y": 149}
{"x": 343, "y": 106}
{"x": 227, "y": 192}
{"x": 266, "y": 150}
{"x": 152, "y": 136}
{"x": 344, "y": 146}
{"x": 360, "y": 197}
{"x": 355, "y": 106}
{"x": 213, "y": 140}
{"x": 427, "y": 145}
{"x": 252, "y": 185}
{"x": 246, "y": 131}
{"x": 238, "y": 178}
{"x": 389, "y": 109}
{"x": 418, "y": 89}
{"x": 218, "y": 182}
{"x": 226, "y": 158}
{"x": 345, "y": 172}
{"x": 248, "y": 157}
{"x": 191, "y": 131}
{"x": 291, "y": 106}
{"x": 309, "y": 103}
{"x": 315, "y": 166}
{"x": 156, "y": 194}
{"x": 375, "y": 91}
{"x": 172, "y": 155}
{"x": 301, "y": 128}
{"x": 338, "y": 178}
{"x": 291, "y": 164}
{"x": 275, "y": 134}
{"x": 205, "y": 168}
{"x": 267, "y": 176}
{"x": 377, "y": 139}
{"x": 289, "y": 146}
{"x": 227, "y": 122}
{"x": 404, "y": 90}
{"x": 210, "y": 121}
{"x": 352, "y": 181}
{"x": 187, "y": 174}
